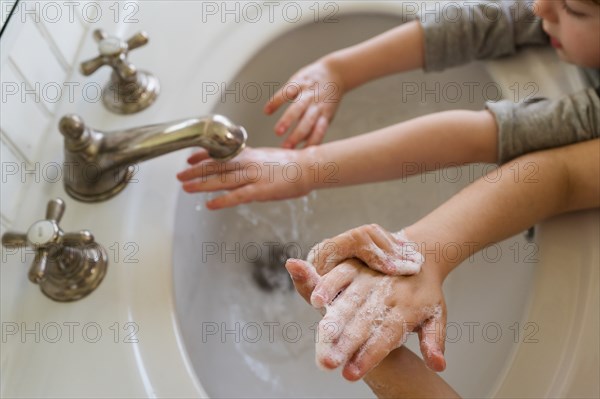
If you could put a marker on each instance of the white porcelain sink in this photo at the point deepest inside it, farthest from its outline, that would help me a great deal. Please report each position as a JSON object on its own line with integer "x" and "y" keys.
{"x": 162, "y": 278}
{"x": 225, "y": 315}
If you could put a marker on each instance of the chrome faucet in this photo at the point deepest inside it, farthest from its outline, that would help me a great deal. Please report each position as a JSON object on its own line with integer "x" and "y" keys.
{"x": 99, "y": 164}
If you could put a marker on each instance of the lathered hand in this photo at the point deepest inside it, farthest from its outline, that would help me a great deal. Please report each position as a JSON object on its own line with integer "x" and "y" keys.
{"x": 388, "y": 253}
{"x": 371, "y": 314}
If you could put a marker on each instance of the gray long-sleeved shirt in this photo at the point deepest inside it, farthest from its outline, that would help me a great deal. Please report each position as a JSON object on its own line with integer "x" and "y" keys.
{"x": 491, "y": 29}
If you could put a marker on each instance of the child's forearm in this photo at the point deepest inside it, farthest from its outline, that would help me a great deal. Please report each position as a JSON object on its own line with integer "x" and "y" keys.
{"x": 397, "y": 50}
{"x": 426, "y": 143}
{"x": 520, "y": 194}
{"x": 402, "y": 374}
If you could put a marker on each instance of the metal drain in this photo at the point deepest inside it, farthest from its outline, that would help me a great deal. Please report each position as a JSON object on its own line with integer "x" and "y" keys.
{"x": 269, "y": 271}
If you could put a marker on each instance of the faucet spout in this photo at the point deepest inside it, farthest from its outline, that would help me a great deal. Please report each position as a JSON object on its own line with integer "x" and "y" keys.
{"x": 100, "y": 164}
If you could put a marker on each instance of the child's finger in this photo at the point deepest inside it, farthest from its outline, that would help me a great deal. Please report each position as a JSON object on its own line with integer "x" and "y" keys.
{"x": 205, "y": 168}
{"x": 288, "y": 92}
{"x": 339, "y": 314}
{"x": 198, "y": 156}
{"x": 291, "y": 115}
{"x": 380, "y": 237}
{"x": 332, "y": 283}
{"x": 390, "y": 255}
{"x": 303, "y": 128}
{"x": 225, "y": 181}
{"x": 316, "y": 137}
{"x": 242, "y": 195}
{"x": 355, "y": 243}
{"x": 357, "y": 326}
{"x": 329, "y": 253}
{"x": 304, "y": 277}
{"x": 371, "y": 244}
{"x": 432, "y": 339}
{"x": 387, "y": 338}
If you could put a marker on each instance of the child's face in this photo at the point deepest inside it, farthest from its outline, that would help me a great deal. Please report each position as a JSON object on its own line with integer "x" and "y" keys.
{"x": 574, "y": 28}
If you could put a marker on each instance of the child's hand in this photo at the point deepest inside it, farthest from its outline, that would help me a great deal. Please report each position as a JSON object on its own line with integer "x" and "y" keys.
{"x": 314, "y": 92}
{"x": 388, "y": 253}
{"x": 371, "y": 314}
{"x": 257, "y": 174}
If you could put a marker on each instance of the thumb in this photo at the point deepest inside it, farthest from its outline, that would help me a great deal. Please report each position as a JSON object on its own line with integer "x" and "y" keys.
{"x": 432, "y": 340}
{"x": 304, "y": 276}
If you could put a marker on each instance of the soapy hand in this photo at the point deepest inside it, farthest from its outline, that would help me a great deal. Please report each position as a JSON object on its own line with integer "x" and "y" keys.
{"x": 257, "y": 174}
{"x": 370, "y": 314}
{"x": 315, "y": 92}
{"x": 388, "y": 253}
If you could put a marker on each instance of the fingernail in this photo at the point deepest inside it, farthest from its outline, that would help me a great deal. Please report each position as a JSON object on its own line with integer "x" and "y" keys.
{"x": 211, "y": 205}
{"x": 443, "y": 364}
{"x": 337, "y": 357}
{"x": 353, "y": 370}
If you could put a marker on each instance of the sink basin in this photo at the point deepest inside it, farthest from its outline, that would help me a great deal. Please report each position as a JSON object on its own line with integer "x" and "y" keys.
{"x": 246, "y": 339}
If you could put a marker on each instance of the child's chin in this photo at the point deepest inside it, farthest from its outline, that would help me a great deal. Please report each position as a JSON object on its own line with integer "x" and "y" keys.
{"x": 585, "y": 62}
{"x": 564, "y": 56}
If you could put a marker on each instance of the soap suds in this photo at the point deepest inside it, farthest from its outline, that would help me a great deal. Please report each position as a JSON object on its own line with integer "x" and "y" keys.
{"x": 401, "y": 259}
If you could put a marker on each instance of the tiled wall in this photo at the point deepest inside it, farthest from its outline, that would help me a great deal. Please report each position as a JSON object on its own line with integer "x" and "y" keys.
{"x": 39, "y": 48}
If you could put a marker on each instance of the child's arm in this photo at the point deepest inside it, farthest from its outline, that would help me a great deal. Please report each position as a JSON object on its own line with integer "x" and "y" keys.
{"x": 531, "y": 188}
{"x": 397, "y": 50}
{"x": 444, "y": 35}
{"x": 520, "y": 194}
{"x": 402, "y": 374}
{"x": 426, "y": 143}
{"x": 565, "y": 179}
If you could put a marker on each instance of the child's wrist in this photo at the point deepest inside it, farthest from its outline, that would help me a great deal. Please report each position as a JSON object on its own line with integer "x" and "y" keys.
{"x": 309, "y": 161}
{"x": 318, "y": 169}
{"x": 432, "y": 250}
{"x": 335, "y": 63}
